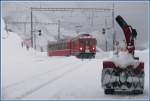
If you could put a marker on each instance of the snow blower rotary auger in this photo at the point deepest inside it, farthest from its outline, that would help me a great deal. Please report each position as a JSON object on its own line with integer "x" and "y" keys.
{"x": 124, "y": 73}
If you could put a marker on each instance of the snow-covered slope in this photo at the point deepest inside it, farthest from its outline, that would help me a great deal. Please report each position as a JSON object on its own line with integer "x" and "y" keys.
{"x": 15, "y": 58}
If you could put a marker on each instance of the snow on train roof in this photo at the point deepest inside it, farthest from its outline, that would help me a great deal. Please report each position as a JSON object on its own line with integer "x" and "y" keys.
{"x": 85, "y": 36}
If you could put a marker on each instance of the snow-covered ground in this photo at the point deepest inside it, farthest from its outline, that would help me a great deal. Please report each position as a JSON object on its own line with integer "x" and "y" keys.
{"x": 27, "y": 74}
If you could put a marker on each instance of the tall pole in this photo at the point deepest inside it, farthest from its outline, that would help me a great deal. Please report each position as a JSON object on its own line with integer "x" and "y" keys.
{"x": 113, "y": 26}
{"x": 92, "y": 18}
{"x": 25, "y": 28}
{"x": 31, "y": 30}
{"x": 105, "y": 33}
{"x": 58, "y": 30}
{"x": 6, "y": 25}
{"x": 34, "y": 37}
{"x": 106, "y": 45}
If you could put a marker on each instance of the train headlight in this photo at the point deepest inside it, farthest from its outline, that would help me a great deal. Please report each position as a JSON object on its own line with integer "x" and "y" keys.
{"x": 93, "y": 48}
{"x": 81, "y": 48}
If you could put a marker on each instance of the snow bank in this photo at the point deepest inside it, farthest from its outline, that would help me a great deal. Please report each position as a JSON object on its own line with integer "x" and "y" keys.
{"x": 99, "y": 49}
{"x": 17, "y": 62}
{"x": 124, "y": 59}
{"x": 3, "y": 31}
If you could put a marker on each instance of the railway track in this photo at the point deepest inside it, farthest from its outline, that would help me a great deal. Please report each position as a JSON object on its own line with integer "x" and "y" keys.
{"x": 35, "y": 76}
{"x": 27, "y": 87}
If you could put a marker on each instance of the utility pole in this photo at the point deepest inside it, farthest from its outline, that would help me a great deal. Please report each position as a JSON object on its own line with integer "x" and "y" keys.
{"x": 106, "y": 44}
{"x": 113, "y": 26}
{"x": 33, "y": 36}
{"x": 104, "y": 32}
{"x": 58, "y": 30}
{"x": 6, "y": 27}
{"x": 92, "y": 18}
{"x": 31, "y": 30}
{"x": 25, "y": 28}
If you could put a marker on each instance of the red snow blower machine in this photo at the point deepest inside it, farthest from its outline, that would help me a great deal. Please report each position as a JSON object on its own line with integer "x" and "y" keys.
{"x": 124, "y": 73}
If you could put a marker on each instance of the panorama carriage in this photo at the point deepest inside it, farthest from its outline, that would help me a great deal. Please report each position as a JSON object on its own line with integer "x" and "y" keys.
{"x": 82, "y": 46}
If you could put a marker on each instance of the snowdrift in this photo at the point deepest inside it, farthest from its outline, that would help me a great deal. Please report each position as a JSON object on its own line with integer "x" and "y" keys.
{"x": 123, "y": 59}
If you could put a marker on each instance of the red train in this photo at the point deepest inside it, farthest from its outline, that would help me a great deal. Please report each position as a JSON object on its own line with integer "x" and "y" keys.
{"x": 82, "y": 46}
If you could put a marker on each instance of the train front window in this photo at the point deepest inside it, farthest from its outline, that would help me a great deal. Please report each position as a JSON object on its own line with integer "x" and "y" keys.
{"x": 87, "y": 42}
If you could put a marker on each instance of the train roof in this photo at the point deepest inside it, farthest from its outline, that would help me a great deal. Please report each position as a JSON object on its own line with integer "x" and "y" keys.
{"x": 85, "y": 36}
{"x": 60, "y": 41}
{"x": 81, "y": 36}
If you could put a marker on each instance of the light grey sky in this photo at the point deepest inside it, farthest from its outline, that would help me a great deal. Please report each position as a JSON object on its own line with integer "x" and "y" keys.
{"x": 135, "y": 13}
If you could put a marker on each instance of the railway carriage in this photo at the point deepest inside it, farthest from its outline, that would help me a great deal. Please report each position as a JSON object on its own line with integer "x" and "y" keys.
{"x": 82, "y": 46}
{"x": 61, "y": 48}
